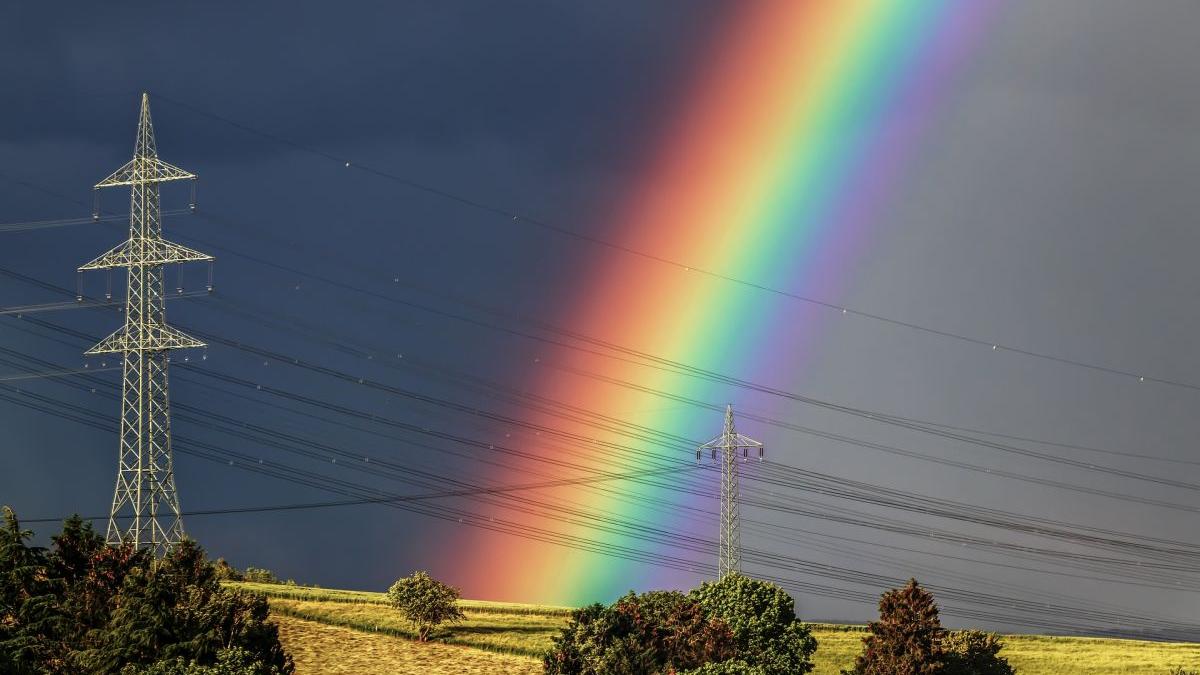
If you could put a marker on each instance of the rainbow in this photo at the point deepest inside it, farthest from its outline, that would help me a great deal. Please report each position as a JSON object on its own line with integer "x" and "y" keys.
{"x": 774, "y": 164}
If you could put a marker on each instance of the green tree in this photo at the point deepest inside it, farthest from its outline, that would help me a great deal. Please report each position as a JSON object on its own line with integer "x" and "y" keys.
{"x": 73, "y": 549}
{"x": 566, "y": 656}
{"x": 426, "y": 602}
{"x": 261, "y": 576}
{"x": 226, "y": 572}
{"x": 86, "y": 607}
{"x": 907, "y": 638}
{"x": 30, "y": 622}
{"x": 176, "y": 607}
{"x": 89, "y": 575}
{"x": 651, "y": 633}
{"x": 973, "y": 652}
{"x": 762, "y": 617}
{"x": 731, "y": 667}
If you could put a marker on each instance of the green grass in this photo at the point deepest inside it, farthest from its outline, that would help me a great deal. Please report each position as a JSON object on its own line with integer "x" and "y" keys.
{"x": 1092, "y": 656}
{"x": 1035, "y": 654}
{"x": 511, "y": 631}
{"x": 375, "y": 598}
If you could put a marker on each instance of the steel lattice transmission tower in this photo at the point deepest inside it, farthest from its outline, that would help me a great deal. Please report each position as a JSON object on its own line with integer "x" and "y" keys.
{"x": 728, "y": 444}
{"x": 145, "y": 493}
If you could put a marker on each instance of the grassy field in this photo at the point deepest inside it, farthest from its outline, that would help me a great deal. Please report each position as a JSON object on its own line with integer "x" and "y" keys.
{"x": 506, "y": 638}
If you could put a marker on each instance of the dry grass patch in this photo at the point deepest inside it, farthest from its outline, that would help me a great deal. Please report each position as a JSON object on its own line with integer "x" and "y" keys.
{"x": 525, "y": 634}
{"x": 321, "y": 649}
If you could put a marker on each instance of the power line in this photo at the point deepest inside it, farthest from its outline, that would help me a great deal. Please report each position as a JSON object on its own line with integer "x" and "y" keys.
{"x": 82, "y": 304}
{"x": 513, "y": 216}
{"x": 610, "y": 346}
{"x": 303, "y": 475}
{"x": 858, "y": 577}
{"x": 322, "y": 335}
{"x": 1039, "y": 529}
{"x": 52, "y": 373}
{"x": 31, "y": 225}
{"x": 444, "y": 494}
{"x": 667, "y": 365}
{"x": 281, "y": 357}
{"x": 290, "y": 360}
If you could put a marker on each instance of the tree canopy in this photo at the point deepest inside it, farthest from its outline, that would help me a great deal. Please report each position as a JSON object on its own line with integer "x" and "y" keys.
{"x": 735, "y": 626}
{"x": 83, "y": 606}
{"x": 426, "y": 602}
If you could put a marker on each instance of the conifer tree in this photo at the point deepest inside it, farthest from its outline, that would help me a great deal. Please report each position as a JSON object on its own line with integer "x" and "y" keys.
{"x": 906, "y": 640}
{"x": 29, "y": 618}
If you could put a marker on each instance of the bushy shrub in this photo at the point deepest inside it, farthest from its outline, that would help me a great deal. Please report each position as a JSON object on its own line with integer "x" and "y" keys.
{"x": 175, "y": 607}
{"x": 652, "y": 633}
{"x": 86, "y": 607}
{"x": 731, "y": 667}
{"x": 226, "y": 572}
{"x": 762, "y": 616}
{"x": 259, "y": 576}
{"x": 973, "y": 652}
{"x": 907, "y": 638}
{"x": 426, "y": 602}
{"x": 735, "y": 626}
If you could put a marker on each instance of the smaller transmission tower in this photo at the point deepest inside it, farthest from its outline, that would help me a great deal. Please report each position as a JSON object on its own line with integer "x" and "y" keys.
{"x": 728, "y": 444}
{"x": 145, "y": 496}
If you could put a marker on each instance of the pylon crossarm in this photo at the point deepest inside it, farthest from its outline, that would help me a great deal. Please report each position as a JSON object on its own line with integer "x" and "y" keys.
{"x": 145, "y": 252}
{"x": 737, "y": 441}
{"x": 141, "y": 170}
{"x": 157, "y": 338}
{"x": 741, "y": 441}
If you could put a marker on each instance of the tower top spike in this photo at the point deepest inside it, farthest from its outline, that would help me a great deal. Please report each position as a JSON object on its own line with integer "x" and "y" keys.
{"x": 145, "y": 146}
{"x": 145, "y": 167}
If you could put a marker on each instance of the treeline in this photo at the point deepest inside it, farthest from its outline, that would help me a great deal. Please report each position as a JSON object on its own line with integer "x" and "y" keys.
{"x": 82, "y": 606}
{"x": 258, "y": 575}
{"x": 742, "y": 626}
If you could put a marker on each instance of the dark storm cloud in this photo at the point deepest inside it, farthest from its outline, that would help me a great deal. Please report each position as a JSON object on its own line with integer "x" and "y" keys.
{"x": 425, "y": 74}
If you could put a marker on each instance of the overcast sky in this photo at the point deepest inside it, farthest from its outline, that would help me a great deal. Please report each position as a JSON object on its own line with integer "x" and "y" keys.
{"x": 1051, "y": 208}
